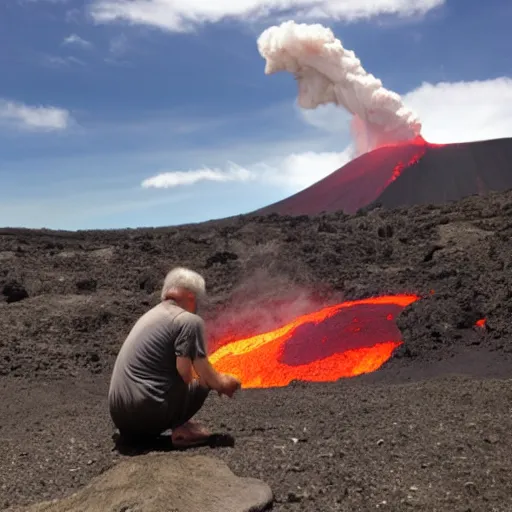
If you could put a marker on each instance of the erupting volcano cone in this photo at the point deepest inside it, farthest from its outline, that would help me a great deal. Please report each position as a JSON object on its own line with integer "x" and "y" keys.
{"x": 396, "y": 166}
{"x": 344, "y": 340}
{"x": 405, "y": 174}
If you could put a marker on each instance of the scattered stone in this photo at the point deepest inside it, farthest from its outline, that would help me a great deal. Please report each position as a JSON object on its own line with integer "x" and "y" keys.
{"x": 87, "y": 285}
{"x": 221, "y": 257}
{"x": 93, "y": 357}
{"x": 14, "y": 291}
{"x": 149, "y": 247}
{"x": 293, "y": 497}
{"x": 471, "y": 488}
{"x": 148, "y": 283}
{"x": 326, "y": 227}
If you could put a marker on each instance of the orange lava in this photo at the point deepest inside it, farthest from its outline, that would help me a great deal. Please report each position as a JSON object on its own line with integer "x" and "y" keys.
{"x": 258, "y": 361}
{"x": 400, "y": 166}
{"x": 481, "y": 322}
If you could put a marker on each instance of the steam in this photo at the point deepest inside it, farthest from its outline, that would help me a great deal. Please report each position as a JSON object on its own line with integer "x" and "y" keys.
{"x": 263, "y": 301}
{"x": 328, "y": 73}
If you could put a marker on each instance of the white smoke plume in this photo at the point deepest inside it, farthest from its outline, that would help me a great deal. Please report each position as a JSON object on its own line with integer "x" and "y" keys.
{"x": 328, "y": 73}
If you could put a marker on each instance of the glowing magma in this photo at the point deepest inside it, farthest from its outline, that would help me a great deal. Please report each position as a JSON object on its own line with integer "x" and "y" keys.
{"x": 343, "y": 340}
{"x": 401, "y": 166}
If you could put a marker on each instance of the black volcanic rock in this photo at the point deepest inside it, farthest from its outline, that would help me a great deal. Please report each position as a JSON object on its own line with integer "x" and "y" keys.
{"x": 13, "y": 291}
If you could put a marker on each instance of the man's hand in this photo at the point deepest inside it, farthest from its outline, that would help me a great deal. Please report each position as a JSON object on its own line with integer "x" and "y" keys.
{"x": 228, "y": 385}
{"x": 223, "y": 383}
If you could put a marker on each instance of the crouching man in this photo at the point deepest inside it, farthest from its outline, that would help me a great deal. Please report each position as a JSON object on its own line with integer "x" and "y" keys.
{"x": 152, "y": 387}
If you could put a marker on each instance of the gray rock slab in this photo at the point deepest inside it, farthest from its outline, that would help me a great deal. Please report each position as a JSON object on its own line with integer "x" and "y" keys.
{"x": 165, "y": 483}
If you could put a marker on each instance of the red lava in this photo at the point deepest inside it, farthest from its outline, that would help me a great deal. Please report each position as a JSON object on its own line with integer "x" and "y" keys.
{"x": 481, "y": 323}
{"x": 415, "y": 158}
{"x": 344, "y": 340}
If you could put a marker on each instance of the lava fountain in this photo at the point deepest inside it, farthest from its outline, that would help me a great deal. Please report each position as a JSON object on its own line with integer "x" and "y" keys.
{"x": 344, "y": 340}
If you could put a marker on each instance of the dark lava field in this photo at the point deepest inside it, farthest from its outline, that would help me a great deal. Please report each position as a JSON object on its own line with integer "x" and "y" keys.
{"x": 430, "y": 431}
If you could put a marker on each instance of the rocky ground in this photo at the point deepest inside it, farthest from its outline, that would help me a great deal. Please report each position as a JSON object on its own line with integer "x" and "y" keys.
{"x": 429, "y": 431}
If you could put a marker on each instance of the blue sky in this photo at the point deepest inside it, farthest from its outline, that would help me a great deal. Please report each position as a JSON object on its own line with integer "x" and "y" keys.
{"x": 130, "y": 92}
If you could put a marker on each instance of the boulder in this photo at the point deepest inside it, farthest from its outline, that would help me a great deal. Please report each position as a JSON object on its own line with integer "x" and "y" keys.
{"x": 165, "y": 483}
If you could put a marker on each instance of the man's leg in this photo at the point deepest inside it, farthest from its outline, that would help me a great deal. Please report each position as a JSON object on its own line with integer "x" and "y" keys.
{"x": 139, "y": 426}
{"x": 183, "y": 406}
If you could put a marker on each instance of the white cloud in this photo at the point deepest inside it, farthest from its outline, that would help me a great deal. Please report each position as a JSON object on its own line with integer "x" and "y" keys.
{"x": 118, "y": 45}
{"x": 300, "y": 170}
{"x": 180, "y": 178}
{"x": 184, "y": 16}
{"x": 76, "y": 40}
{"x": 74, "y": 15}
{"x": 329, "y": 118}
{"x": 292, "y": 173}
{"x": 55, "y": 61}
{"x": 463, "y": 111}
{"x": 34, "y": 117}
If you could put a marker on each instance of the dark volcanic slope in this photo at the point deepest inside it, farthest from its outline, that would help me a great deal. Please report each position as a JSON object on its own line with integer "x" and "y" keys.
{"x": 426, "y": 173}
{"x": 391, "y": 437}
{"x": 448, "y": 173}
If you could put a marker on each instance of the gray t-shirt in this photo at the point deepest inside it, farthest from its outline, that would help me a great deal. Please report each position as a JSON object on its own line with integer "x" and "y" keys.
{"x": 145, "y": 368}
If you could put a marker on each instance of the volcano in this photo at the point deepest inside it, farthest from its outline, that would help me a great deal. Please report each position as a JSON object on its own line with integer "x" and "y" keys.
{"x": 406, "y": 174}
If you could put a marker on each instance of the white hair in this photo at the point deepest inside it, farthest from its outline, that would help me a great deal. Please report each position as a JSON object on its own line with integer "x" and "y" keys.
{"x": 181, "y": 277}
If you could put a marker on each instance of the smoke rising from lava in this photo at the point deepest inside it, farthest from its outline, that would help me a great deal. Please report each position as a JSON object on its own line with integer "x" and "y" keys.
{"x": 326, "y": 73}
{"x": 263, "y": 301}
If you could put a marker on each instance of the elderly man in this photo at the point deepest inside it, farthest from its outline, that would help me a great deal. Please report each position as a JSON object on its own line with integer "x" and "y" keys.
{"x": 152, "y": 388}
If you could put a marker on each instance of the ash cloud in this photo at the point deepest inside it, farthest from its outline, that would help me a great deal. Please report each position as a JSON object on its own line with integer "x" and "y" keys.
{"x": 328, "y": 73}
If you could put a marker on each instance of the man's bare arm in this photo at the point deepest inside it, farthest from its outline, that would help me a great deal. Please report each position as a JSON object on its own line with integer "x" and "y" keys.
{"x": 184, "y": 367}
{"x": 190, "y": 348}
{"x": 208, "y": 375}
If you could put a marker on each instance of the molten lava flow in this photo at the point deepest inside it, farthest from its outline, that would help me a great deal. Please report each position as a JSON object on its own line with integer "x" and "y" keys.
{"x": 481, "y": 323}
{"x": 344, "y": 340}
{"x": 400, "y": 166}
{"x": 422, "y": 146}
